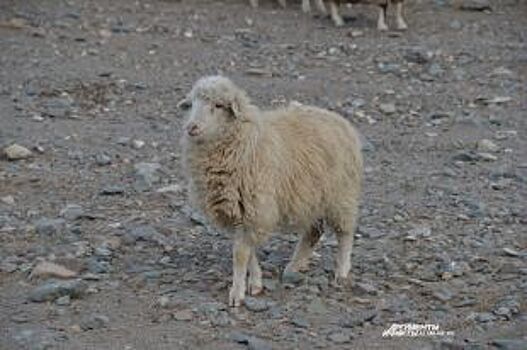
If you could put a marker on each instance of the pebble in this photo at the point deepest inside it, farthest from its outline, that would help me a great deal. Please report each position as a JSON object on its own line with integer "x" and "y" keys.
{"x": 9, "y": 200}
{"x": 387, "y": 108}
{"x": 103, "y": 159}
{"x": 443, "y": 294}
{"x": 49, "y": 269}
{"x": 289, "y": 277}
{"x": 174, "y": 188}
{"x": 339, "y": 337}
{"x": 112, "y": 190}
{"x": 72, "y": 212}
{"x": 300, "y": 322}
{"x": 138, "y": 144}
{"x": 146, "y": 174}
{"x": 55, "y": 289}
{"x": 475, "y": 5}
{"x": 510, "y": 344}
{"x": 256, "y": 304}
{"x": 17, "y": 152}
{"x": 63, "y": 301}
{"x": 183, "y": 315}
{"x": 487, "y": 157}
{"x": 49, "y": 227}
{"x": 94, "y": 321}
{"x": 486, "y": 145}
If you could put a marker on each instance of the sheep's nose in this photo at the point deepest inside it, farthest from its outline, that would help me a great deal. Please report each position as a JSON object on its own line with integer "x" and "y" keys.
{"x": 193, "y": 129}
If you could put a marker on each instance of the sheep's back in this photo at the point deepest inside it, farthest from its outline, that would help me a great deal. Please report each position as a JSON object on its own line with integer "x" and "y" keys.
{"x": 316, "y": 154}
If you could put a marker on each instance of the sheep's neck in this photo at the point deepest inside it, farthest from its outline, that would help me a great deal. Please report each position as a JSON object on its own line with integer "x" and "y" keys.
{"x": 225, "y": 167}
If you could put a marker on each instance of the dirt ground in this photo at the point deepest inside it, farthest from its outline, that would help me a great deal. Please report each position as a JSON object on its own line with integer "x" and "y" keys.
{"x": 91, "y": 88}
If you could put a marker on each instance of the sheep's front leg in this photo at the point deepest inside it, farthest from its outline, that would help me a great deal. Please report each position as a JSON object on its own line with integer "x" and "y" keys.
{"x": 255, "y": 274}
{"x": 240, "y": 259}
{"x": 401, "y": 24}
{"x": 282, "y": 3}
{"x": 306, "y": 6}
{"x": 254, "y": 3}
{"x": 335, "y": 15}
{"x": 320, "y": 6}
{"x": 304, "y": 249}
{"x": 381, "y": 21}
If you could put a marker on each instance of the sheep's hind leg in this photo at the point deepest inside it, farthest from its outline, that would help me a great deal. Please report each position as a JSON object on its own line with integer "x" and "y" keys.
{"x": 344, "y": 230}
{"x": 381, "y": 21}
{"x": 306, "y": 6}
{"x": 335, "y": 15}
{"x": 240, "y": 259}
{"x": 304, "y": 249}
{"x": 255, "y": 274}
{"x": 321, "y": 7}
{"x": 401, "y": 24}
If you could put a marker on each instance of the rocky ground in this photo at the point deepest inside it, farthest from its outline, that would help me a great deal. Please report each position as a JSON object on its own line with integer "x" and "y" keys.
{"x": 98, "y": 249}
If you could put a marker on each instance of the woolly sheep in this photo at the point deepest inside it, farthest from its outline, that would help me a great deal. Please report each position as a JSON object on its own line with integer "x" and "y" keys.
{"x": 254, "y": 172}
{"x": 306, "y": 5}
{"x": 383, "y": 6}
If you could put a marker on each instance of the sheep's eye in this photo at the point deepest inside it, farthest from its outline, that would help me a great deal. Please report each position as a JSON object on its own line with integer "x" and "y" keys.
{"x": 185, "y": 105}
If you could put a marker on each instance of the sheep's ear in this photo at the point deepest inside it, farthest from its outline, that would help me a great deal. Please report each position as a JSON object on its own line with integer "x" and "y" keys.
{"x": 236, "y": 108}
{"x": 185, "y": 104}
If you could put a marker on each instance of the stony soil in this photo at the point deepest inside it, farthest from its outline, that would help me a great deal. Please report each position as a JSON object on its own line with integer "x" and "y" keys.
{"x": 91, "y": 88}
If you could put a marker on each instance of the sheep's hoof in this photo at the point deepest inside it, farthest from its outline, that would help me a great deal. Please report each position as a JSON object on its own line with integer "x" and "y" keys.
{"x": 341, "y": 282}
{"x": 402, "y": 26}
{"x": 383, "y": 27}
{"x": 235, "y": 298}
{"x": 255, "y": 289}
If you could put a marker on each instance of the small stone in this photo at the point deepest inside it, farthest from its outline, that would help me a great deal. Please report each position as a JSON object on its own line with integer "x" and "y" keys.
{"x": 49, "y": 269}
{"x": 443, "y": 294}
{"x": 72, "y": 212}
{"x": 510, "y": 344}
{"x": 421, "y": 232}
{"x": 511, "y": 252}
{"x": 17, "y": 152}
{"x": 112, "y": 190}
{"x": 487, "y": 157}
{"x": 486, "y": 145}
{"x": 63, "y": 301}
{"x": 96, "y": 266}
{"x": 362, "y": 288}
{"x": 258, "y": 344}
{"x": 138, "y": 144}
{"x": 256, "y": 304}
{"x": 56, "y": 289}
{"x": 49, "y": 227}
{"x": 103, "y": 159}
{"x": 183, "y": 315}
{"x": 9, "y": 200}
{"x": 484, "y": 317}
{"x": 475, "y": 5}
{"x": 289, "y": 277}
{"x": 146, "y": 174}
{"x": 174, "y": 188}
{"x": 339, "y": 337}
{"x": 300, "y": 322}
{"x": 387, "y": 108}
{"x": 163, "y": 301}
{"x": 94, "y": 321}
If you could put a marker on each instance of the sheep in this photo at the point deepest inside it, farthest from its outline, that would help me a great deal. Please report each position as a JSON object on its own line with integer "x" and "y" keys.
{"x": 306, "y": 5}
{"x": 254, "y": 172}
{"x": 383, "y": 6}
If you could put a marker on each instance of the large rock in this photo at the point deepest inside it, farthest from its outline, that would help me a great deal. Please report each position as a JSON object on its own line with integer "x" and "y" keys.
{"x": 55, "y": 289}
{"x": 17, "y": 152}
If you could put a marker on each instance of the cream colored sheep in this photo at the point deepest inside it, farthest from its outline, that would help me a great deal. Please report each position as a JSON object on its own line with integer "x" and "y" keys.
{"x": 306, "y": 5}
{"x": 383, "y": 6}
{"x": 254, "y": 172}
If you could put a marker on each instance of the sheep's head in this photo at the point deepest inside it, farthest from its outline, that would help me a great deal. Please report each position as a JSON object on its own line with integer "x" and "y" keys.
{"x": 215, "y": 107}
